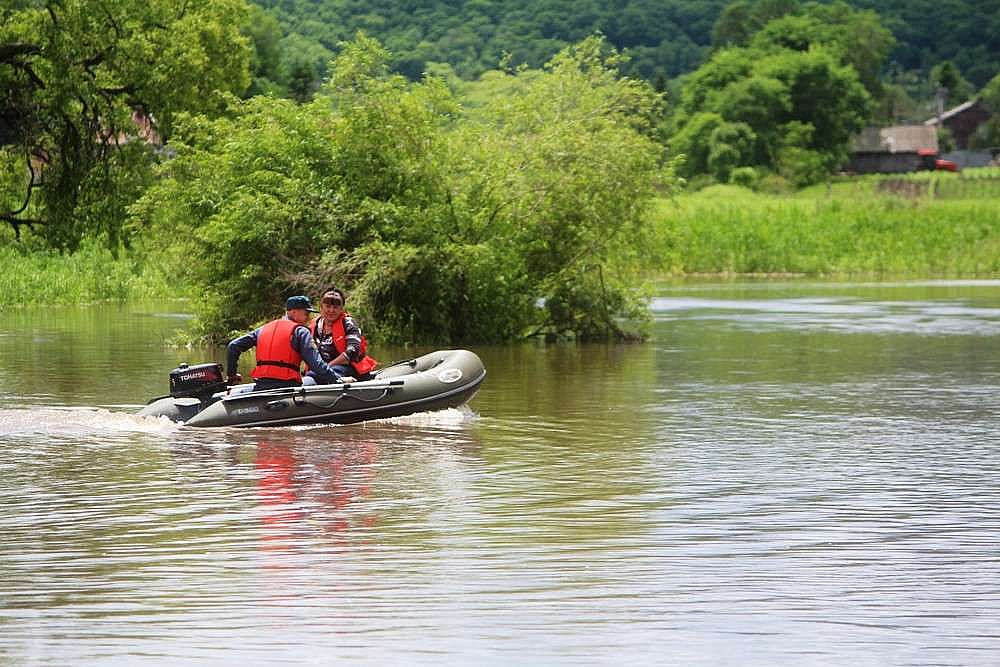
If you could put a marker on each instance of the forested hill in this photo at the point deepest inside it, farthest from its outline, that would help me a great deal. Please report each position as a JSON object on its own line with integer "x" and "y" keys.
{"x": 966, "y": 32}
{"x": 664, "y": 38}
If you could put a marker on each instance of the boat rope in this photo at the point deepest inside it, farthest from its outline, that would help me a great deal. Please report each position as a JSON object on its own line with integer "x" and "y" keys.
{"x": 412, "y": 363}
{"x": 353, "y": 394}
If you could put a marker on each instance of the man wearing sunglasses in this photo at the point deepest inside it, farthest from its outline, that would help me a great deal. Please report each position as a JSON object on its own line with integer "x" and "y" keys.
{"x": 340, "y": 341}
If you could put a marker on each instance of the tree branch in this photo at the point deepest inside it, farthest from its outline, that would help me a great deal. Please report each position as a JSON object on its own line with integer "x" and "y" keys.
{"x": 11, "y": 217}
{"x": 9, "y": 53}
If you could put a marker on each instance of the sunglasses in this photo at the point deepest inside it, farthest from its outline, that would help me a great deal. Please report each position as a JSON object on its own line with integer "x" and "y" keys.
{"x": 333, "y": 302}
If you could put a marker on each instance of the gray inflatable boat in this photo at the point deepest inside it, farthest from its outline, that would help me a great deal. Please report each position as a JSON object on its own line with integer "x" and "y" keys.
{"x": 435, "y": 381}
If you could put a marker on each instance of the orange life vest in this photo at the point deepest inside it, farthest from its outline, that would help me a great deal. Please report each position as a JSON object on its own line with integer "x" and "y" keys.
{"x": 362, "y": 366}
{"x": 276, "y": 358}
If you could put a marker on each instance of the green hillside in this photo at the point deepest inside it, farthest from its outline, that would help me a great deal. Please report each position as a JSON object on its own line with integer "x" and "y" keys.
{"x": 665, "y": 38}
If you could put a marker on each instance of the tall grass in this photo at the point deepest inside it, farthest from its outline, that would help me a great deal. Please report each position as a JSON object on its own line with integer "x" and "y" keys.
{"x": 827, "y": 231}
{"x": 92, "y": 273}
{"x": 969, "y": 183}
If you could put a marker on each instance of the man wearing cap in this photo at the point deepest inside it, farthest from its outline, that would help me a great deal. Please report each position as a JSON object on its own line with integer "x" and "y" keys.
{"x": 282, "y": 346}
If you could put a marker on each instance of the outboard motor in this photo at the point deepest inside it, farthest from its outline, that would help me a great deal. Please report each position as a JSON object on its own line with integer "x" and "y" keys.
{"x": 191, "y": 389}
{"x": 199, "y": 381}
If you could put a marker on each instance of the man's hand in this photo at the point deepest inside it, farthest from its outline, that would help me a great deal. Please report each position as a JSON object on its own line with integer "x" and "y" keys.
{"x": 235, "y": 378}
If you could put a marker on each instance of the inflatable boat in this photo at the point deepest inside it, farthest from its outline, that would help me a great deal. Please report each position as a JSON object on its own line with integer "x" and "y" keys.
{"x": 199, "y": 395}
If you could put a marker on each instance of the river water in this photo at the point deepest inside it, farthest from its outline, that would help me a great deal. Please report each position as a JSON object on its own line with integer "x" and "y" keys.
{"x": 793, "y": 473}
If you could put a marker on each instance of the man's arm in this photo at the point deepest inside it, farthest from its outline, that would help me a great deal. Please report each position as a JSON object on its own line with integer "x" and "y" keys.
{"x": 236, "y": 347}
{"x": 352, "y": 336}
{"x": 304, "y": 344}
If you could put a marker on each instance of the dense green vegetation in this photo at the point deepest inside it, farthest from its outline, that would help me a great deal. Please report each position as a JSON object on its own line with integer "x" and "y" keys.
{"x": 444, "y": 226}
{"x": 852, "y": 227}
{"x": 76, "y": 77}
{"x": 789, "y": 102}
{"x": 776, "y": 86}
{"x": 869, "y": 227}
{"x": 664, "y": 39}
{"x": 471, "y": 36}
{"x": 248, "y": 151}
{"x": 43, "y": 277}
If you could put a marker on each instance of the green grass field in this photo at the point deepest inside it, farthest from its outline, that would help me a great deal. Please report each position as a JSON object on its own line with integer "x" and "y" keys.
{"x": 848, "y": 227}
{"x": 88, "y": 275}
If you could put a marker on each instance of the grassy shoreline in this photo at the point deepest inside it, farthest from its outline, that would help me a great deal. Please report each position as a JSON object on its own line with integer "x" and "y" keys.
{"x": 91, "y": 274}
{"x": 836, "y": 231}
{"x": 847, "y": 229}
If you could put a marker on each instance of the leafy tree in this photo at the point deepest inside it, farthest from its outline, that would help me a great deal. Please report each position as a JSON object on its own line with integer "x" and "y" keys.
{"x": 795, "y": 89}
{"x": 776, "y": 96}
{"x": 265, "y": 34}
{"x": 693, "y": 141}
{"x": 724, "y": 68}
{"x": 730, "y": 146}
{"x": 988, "y": 134}
{"x": 86, "y": 78}
{"x": 561, "y": 180}
{"x": 742, "y": 19}
{"x": 302, "y": 66}
{"x": 443, "y": 227}
{"x": 246, "y": 201}
{"x": 798, "y": 161}
{"x": 950, "y": 83}
{"x": 855, "y": 38}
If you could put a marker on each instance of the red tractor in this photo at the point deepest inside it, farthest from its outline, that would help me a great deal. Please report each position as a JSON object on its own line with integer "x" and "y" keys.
{"x": 929, "y": 161}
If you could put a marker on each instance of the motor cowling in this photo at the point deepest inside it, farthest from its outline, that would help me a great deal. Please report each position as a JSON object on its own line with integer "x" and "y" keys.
{"x": 198, "y": 381}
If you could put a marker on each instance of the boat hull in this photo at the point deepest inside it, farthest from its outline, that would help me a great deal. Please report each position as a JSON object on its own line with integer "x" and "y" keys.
{"x": 435, "y": 381}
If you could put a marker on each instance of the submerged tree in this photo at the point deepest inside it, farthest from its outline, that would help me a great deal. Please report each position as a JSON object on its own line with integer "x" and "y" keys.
{"x": 443, "y": 226}
{"x": 89, "y": 86}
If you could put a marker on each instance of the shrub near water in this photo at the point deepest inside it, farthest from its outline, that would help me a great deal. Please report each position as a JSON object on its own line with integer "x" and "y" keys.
{"x": 732, "y": 230}
{"x": 444, "y": 226}
{"x": 92, "y": 273}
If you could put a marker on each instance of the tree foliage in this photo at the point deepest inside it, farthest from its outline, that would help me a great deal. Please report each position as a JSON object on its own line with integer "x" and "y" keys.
{"x": 949, "y": 84}
{"x": 854, "y": 38}
{"x": 988, "y": 135}
{"x": 789, "y": 101}
{"x": 664, "y": 38}
{"x": 443, "y": 225}
{"x": 83, "y": 79}
{"x": 786, "y": 103}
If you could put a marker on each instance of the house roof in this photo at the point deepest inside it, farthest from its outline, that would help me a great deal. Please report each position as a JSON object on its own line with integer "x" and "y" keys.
{"x": 895, "y": 139}
{"x": 954, "y": 111}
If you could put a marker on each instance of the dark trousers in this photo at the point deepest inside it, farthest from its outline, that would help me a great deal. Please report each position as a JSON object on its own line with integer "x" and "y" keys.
{"x": 263, "y": 384}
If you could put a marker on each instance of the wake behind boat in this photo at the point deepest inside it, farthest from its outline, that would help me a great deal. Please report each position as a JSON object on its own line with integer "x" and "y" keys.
{"x": 435, "y": 381}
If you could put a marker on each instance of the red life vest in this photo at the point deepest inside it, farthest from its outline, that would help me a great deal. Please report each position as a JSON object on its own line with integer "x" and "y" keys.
{"x": 362, "y": 366}
{"x": 276, "y": 358}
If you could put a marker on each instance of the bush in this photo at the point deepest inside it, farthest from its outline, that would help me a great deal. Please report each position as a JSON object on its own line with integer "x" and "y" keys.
{"x": 744, "y": 177}
{"x": 444, "y": 228}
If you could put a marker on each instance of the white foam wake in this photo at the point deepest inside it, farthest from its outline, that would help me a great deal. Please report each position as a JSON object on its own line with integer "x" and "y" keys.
{"x": 69, "y": 421}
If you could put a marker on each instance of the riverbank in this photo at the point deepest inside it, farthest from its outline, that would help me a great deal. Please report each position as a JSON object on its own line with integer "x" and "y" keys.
{"x": 91, "y": 274}
{"x": 842, "y": 229}
{"x": 849, "y": 228}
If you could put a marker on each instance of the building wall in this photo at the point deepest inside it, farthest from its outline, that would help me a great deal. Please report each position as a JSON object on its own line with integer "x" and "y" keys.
{"x": 970, "y": 158}
{"x": 965, "y": 123}
{"x": 883, "y": 163}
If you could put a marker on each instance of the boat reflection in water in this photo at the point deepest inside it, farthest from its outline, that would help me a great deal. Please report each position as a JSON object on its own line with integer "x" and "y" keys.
{"x": 297, "y": 486}
{"x": 308, "y": 491}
